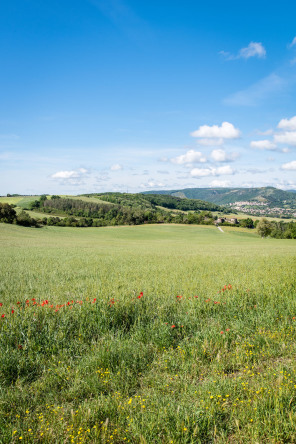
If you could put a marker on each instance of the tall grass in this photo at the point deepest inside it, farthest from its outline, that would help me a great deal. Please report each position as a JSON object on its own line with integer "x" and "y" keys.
{"x": 206, "y": 354}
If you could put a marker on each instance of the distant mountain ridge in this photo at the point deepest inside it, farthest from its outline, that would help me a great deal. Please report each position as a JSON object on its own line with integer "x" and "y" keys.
{"x": 274, "y": 197}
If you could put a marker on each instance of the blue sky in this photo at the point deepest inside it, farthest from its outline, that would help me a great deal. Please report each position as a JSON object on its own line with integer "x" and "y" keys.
{"x": 132, "y": 95}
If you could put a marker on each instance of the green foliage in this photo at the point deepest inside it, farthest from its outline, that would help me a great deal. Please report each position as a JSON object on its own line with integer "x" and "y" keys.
{"x": 247, "y": 223}
{"x": 24, "y": 219}
{"x": 7, "y": 213}
{"x": 264, "y": 228}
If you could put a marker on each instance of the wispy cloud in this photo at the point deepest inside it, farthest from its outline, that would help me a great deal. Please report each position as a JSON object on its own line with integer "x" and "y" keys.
{"x": 293, "y": 43}
{"x": 124, "y": 18}
{"x": 258, "y": 92}
{"x": 254, "y": 49}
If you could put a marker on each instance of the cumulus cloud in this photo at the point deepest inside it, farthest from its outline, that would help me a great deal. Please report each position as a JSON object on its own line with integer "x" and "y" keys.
{"x": 190, "y": 157}
{"x": 225, "y": 131}
{"x": 254, "y": 49}
{"x": 288, "y": 124}
{"x": 287, "y": 137}
{"x": 221, "y": 156}
{"x": 289, "y": 165}
{"x": 220, "y": 171}
{"x": 219, "y": 183}
{"x": 263, "y": 145}
{"x": 116, "y": 167}
{"x": 73, "y": 174}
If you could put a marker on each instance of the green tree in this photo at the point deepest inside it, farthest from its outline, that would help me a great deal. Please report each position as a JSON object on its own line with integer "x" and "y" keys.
{"x": 7, "y": 213}
{"x": 247, "y": 223}
{"x": 24, "y": 219}
{"x": 264, "y": 228}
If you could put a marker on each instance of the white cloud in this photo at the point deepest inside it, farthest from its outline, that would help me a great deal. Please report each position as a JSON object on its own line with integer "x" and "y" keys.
{"x": 293, "y": 42}
{"x": 152, "y": 184}
{"x": 221, "y": 156}
{"x": 288, "y": 137}
{"x": 220, "y": 171}
{"x": 73, "y": 176}
{"x": 254, "y": 49}
{"x": 116, "y": 167}
{"x": 219, "y": 183}
{"x": 190, "y": 157}
{"x": 225, "y": 131}
{"x": 286, "y": 150}
{"x": 263, "y": 145}
{"x": 289, "y": 165}
{"x": 288, "y": 124}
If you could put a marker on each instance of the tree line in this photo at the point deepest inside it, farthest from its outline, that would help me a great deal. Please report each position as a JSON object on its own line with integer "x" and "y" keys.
{"x": 79, "y": 213}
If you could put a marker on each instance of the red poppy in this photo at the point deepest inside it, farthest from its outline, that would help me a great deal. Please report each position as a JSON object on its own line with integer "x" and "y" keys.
{"x": 18, "y": 302}
{"x": 140, "y": 295}
{"x": 227, "y": 329}
{"x": 1, "y": 304}
{"x": 221, "y": 332}
{"x": 3, "y": 316}
{"x": 173, "y": 326}
{"x": 12, "y": 311}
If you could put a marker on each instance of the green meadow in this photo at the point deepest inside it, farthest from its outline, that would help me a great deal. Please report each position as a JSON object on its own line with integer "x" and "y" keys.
{"x": 146, "y": 334}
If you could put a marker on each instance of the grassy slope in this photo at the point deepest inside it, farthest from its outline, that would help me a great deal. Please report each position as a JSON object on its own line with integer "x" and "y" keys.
{"x": 119, "y": 373}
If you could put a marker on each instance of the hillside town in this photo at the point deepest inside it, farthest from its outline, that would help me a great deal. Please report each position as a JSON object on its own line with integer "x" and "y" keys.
{"x": 257, "y": 208}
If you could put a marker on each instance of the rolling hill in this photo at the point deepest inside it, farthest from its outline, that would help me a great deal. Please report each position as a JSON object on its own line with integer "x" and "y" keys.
{"x": 224, "y": 196}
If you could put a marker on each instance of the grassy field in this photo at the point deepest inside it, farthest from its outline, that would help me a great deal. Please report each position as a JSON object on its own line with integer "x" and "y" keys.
{"x": 147, "y": 334}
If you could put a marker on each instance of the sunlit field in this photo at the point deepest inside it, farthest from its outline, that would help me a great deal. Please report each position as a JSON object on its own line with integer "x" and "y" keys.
{"x": 146, "y": 334}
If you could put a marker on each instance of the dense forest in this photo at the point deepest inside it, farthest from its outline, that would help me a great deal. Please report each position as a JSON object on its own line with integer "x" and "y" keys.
{"x": 119, "y": 212}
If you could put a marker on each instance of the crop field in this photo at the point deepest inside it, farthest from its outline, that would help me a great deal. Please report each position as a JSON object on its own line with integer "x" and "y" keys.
{"x": 146, "y": 334}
